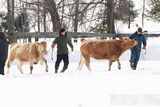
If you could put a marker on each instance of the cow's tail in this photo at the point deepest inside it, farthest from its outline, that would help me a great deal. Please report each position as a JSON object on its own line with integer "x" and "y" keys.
{"x": 10, "y": 60}
{"x": 81, "y": 62}
{"x": 8, "y": 66}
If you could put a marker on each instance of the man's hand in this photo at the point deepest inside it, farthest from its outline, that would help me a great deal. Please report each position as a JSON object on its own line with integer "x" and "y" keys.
{"x": 72, "y": 49}
{"x": 52, "y": 46}
{"x": 144, "y": 47}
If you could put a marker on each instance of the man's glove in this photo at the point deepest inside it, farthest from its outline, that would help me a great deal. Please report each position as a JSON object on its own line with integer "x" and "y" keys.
{"x": 144, "y": 47}
{"x": 72, "y": 49}
{"x": 52, "y": 46}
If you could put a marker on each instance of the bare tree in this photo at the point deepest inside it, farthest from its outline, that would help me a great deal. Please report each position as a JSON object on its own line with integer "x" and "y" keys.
{"x": 143, "y": 13}
{"x": 62, "y": 13}
{"x": 76, "y": 15}
{"x": 38, "y": 18}
{"x": 129, "y": 18}
{"x": 50, "y": 7}
{"x": 10, "y": 7}
{"x": 53, "y": 11}
{"x": 110, "y": 14}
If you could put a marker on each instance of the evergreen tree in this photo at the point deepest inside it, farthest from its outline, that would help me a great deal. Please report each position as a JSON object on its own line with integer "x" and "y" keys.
{"x": 154, "y": 12}
{"x": 122, "y": 11}
{"x": 22, "y": 22}
{"x": 4, "y": 24}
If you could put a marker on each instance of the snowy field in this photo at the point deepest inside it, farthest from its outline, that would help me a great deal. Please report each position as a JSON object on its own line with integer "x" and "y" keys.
{"x": 99, "y": 88}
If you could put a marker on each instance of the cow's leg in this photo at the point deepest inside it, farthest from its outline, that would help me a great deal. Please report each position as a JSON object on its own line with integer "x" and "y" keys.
{"x": 81, "y": 63}
{"x": 31, "y": 67}
{"x": 20, "y": 67}
{"x": 45, "y": 61}
{"x": 87, "y": 62}
{"x": 10, "y": 60}
{"x": 119, "y": 64}
{"x": 110, "y": 64}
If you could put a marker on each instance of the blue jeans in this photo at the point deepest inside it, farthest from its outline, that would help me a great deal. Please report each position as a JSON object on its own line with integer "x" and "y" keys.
{"x": 135, "y": 55}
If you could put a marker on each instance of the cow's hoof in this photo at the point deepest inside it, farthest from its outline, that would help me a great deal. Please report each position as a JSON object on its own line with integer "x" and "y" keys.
{"x": 35, "y": 62}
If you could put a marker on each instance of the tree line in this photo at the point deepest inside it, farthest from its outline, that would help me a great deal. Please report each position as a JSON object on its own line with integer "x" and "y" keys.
{"x": 97, "y": 16}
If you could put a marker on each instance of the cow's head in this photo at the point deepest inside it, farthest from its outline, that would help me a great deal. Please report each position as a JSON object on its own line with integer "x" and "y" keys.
{"x": 38, "y": 51}
{"x": 44, "y": 47}
{"x": 130, "y": 42}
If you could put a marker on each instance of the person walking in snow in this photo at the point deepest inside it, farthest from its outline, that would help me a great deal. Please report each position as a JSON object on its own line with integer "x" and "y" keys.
{"x": 3, "y": 52}
{"x": 62, "y": 51}
{"x": 136, "y": 50}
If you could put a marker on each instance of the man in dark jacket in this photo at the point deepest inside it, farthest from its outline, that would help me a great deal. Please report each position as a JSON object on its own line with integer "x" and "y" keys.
{"x": 62, "y": 51}
{"x": 3, "y": 52}
{"x": 136, "y": 50}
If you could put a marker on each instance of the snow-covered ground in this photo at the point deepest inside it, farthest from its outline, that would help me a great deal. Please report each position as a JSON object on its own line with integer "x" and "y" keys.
{"x": 99, "y": 88}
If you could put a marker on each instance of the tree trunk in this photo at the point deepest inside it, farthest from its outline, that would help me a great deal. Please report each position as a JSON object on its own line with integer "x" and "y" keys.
{"x": 44, "y": 18}
{"x": 62, "y": 14}
{"x": 11, "y": 24}
{"x": 129, "y": 18}
{"x": 52, "y": 9}
{"x": 9, "y": 15}
{"x": 76, "y": 16}
{"x": 38, "y": 21}
{"x": 44, "y": 21}
{"x": 110, "y": 18}
{"x": 143, "y": 13}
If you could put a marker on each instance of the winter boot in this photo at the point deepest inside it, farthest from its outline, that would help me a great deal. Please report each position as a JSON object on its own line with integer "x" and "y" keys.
{"x": 56, "y": 71}
{"x": 131, "y": 65}
{"x": 63, "y": 70}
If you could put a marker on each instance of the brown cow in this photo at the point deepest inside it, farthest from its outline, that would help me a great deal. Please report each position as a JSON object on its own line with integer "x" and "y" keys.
{"x": 27, "y": 52}
{"x": 104, "y": 49}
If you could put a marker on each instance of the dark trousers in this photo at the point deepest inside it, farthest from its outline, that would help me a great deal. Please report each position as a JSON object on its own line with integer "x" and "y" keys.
{"x": 65, "y": 59}
{"x": 2, "y": 64}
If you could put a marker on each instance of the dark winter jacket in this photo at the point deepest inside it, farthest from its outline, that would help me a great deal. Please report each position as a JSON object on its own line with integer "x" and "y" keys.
{"x": 140, "y": 38}
{"x": 62, "y": 42}
{"x": 3, "y": 47}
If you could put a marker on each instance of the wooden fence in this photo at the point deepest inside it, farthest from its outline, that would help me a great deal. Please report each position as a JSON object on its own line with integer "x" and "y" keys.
{"x": 70, "y": 34}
